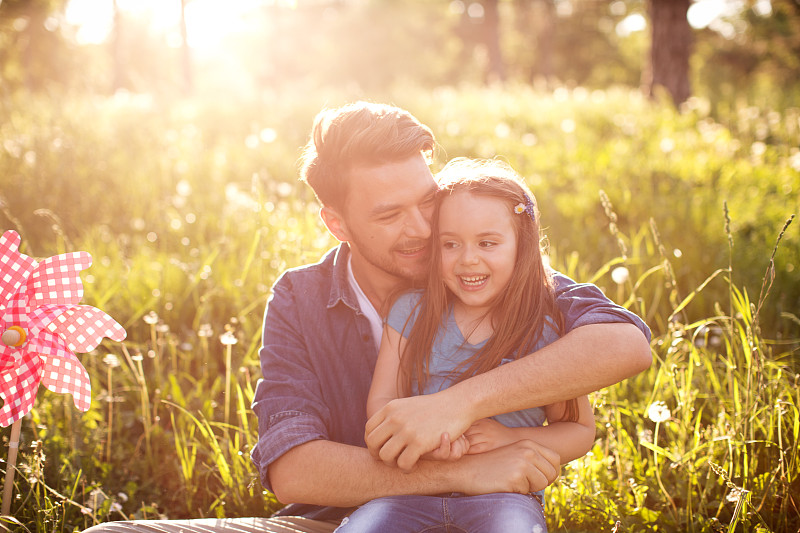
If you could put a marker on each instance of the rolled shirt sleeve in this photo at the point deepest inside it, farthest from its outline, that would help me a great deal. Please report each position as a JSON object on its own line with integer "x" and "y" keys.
{"x": 288, "y": 401}
{"x": 582, "y": 304}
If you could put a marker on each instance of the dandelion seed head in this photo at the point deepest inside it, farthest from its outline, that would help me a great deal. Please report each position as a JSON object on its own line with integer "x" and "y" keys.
{"x": 658, "y": 412}
{"x": 150, "y": 318}
{"x": 111, "y": 360}
{"x": 205, "y": 331}
{"x": 620, "y": 275}
{"x": 228, "y": 338}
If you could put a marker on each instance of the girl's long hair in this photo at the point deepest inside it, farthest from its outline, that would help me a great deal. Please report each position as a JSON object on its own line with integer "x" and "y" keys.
{"x": 518, "y": 313}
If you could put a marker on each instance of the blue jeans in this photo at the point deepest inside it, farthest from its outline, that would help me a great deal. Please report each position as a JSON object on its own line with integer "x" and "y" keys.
{"x": 488, "y": 513}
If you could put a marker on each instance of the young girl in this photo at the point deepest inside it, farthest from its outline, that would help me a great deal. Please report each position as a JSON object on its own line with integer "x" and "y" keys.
{"x": 489, "y": 300}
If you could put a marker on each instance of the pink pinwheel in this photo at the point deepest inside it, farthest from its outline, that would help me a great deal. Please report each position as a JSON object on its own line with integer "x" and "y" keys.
{"x": 41, "y": 325}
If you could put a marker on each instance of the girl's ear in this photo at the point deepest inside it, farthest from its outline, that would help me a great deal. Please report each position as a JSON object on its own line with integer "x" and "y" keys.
{"x": 335, "y": 223}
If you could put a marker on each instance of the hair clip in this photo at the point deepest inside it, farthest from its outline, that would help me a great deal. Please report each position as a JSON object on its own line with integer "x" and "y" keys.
{"x": 526, "y": 207}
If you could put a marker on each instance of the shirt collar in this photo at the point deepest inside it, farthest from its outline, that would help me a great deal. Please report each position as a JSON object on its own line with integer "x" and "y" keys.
{"x": 341, "y": 291}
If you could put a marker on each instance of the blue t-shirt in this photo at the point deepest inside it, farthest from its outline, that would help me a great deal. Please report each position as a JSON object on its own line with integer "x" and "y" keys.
{"x": 450, "y": 349}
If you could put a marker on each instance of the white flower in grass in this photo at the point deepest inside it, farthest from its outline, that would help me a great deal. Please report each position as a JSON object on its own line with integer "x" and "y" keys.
{"x": 115, "y": 507}
{"x": 620, "y": 275}
{"x": 150, "y": 318}
{"x": 228, "y": 338}
{"x": 658, "y": 412}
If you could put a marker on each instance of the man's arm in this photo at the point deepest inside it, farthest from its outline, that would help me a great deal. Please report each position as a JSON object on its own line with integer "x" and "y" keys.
{"x": 322, "y": 472}
{"x": 608, "y": 344}
{"x": 570, "y": 439}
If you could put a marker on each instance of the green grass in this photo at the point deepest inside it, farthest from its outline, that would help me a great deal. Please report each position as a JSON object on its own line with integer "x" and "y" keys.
{"x": 192, "y": 209}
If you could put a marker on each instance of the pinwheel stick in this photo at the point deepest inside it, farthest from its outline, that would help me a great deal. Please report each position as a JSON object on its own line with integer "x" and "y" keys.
{"x": 11, "y": 466}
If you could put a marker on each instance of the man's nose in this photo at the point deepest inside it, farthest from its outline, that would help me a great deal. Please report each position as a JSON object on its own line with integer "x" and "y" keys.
{"x": 418, "y": 225}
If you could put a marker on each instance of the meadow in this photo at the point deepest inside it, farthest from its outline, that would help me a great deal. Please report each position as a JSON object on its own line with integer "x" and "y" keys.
{"x": 191, "y": 209}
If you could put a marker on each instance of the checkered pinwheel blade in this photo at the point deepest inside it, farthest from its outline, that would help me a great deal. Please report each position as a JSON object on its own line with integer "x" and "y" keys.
{"x": 56, "y": 280}
{"x": 61, "y": 370}
{"x": 84, "y": 326}
{"x": 18, "y": 389}
{"x": 41, "y": 299}
{"x": 14, "y": 266}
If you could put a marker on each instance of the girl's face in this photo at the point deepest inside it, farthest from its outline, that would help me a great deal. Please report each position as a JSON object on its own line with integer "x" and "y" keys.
{"x": 478, "y": 246}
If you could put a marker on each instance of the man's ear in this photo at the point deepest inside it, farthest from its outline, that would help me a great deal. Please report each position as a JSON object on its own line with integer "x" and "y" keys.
{"x": 335, "y": 223}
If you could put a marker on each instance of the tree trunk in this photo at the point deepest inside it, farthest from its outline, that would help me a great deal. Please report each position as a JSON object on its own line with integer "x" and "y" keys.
{"x": 186, "y": 58}
{"x": 546, "y": 35}
{"x": 118, "y": 67}
{"x": 491, "y": 37}
{"x": 670, "y": 49}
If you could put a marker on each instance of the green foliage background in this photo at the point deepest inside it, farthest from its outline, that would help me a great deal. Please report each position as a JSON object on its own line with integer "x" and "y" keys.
{"x": 191, "y": 209}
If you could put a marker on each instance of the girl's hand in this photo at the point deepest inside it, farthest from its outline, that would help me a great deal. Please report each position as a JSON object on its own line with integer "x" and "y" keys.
{"x": 449, "y": 451}
{"x": 487, "y": 434}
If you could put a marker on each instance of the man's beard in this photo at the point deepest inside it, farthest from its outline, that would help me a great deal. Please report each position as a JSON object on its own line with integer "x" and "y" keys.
{"x": 386, "y": 263}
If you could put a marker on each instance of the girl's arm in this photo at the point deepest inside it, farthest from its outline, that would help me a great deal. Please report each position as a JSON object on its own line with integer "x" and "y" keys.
{"x": 384, "y": 386}
{"x": 569, "y": 439}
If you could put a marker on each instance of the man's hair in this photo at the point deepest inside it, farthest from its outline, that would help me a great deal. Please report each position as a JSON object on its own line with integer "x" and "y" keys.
{"x": 359, "y": 133}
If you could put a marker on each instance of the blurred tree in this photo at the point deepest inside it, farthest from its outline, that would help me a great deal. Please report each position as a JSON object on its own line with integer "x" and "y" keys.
{"x": 495, "y": 68}
{"x": 186, "y": 54}
{"x": 33, "y": 54}
{"x": 670, "y": 49}
{"x": 752, "y": 51}
{"x": 118, "y": 76}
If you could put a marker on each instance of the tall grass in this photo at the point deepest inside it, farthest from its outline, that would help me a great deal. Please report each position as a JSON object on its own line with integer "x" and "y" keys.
{"x": 191, "y": 211}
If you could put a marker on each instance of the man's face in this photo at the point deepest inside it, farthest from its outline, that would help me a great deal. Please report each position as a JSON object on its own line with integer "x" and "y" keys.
{"x": 387, "y": 217}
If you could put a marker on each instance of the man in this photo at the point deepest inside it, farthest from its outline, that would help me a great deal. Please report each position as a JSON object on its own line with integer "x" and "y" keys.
{"x": 368, "y": 166}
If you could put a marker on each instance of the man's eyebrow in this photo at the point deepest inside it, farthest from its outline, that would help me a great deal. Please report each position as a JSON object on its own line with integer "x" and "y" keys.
{"x": 381, "y": 209}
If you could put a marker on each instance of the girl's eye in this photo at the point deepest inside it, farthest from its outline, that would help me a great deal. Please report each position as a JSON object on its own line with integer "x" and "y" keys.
{"x": 449, "y": 245}
{"x": 487, "y": 244}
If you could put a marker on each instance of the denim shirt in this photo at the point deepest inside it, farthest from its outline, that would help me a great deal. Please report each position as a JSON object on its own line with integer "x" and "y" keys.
{"x": 318, "y": 356}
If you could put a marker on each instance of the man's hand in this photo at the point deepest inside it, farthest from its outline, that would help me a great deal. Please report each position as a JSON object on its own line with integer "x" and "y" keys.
{"x": 407, "y": 428}
{"x": 521, "y": 467}
{"x": 487, "y": 434}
